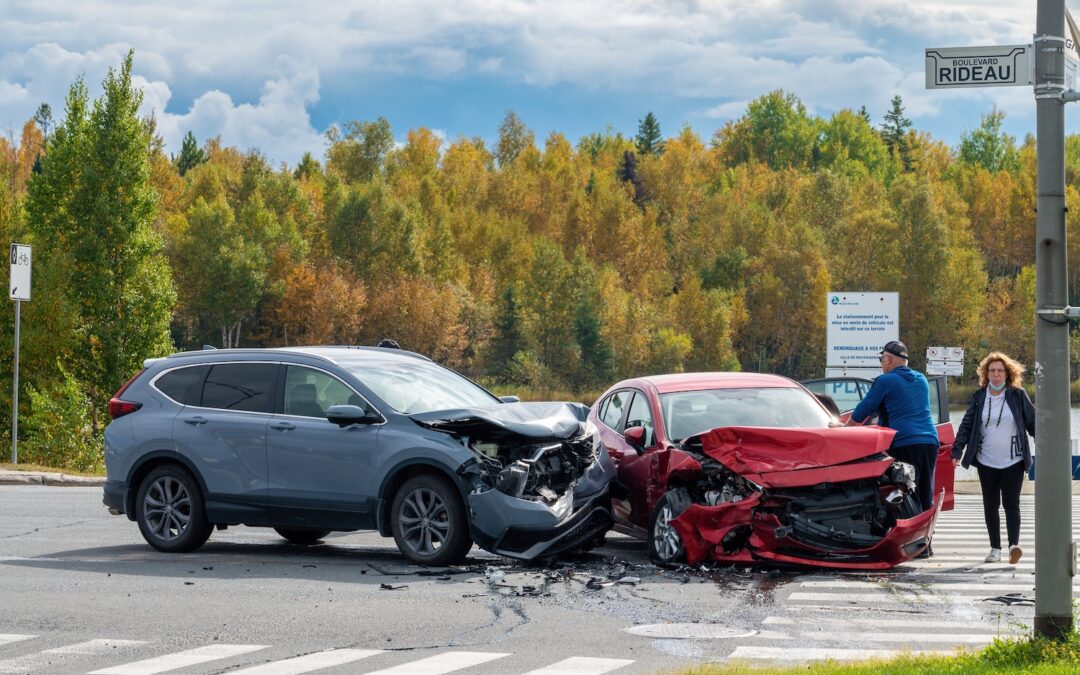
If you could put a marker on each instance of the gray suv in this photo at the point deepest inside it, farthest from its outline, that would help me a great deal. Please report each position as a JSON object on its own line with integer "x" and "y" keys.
{"x": 319, "y": 439}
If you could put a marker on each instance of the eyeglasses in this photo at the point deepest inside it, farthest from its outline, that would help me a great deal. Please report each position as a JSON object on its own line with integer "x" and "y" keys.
{"x": 881, "y": 358}
{"x": 996, "y": 370}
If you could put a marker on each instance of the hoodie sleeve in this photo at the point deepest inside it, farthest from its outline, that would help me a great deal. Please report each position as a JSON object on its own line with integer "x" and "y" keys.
{"x": 873, "y": 399}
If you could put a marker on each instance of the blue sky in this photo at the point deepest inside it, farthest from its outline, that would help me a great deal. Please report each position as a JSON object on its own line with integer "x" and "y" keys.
{"x": 275, "y": 75}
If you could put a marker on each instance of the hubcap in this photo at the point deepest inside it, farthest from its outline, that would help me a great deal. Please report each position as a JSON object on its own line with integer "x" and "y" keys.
{"x": 425, "y": 522}
{"x": 167, "y": 508}
{"x": 665, "y": 537}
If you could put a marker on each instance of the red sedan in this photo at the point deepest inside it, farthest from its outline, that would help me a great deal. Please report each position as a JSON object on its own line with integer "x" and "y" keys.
{"x": 744, "y": 467}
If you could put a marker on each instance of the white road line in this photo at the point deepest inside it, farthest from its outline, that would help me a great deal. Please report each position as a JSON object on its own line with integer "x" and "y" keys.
{"x": 8, "y": 638}
{"x": 891, "y": 586}
{"x": 907, "y": 598}
{"x": 47, "y": 658}
{"x": 881, "y": 623}
{"x": 864, "y": 638}
{"x": 802, "y": 654}
{"x": 310, "y": 662}
{"x": 188, "y": 657}
{"x": 581, "y": 665}
{"x": 441, "y": 663}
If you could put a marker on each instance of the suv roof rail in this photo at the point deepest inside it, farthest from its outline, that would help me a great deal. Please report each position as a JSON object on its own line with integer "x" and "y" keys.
{"x": 244, "y": 350}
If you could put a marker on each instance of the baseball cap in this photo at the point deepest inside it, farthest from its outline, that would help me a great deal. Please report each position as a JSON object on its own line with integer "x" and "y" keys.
{"x": 896, "y": 348}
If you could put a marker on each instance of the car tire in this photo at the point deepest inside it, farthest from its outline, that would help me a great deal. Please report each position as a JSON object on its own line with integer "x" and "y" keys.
{"x": 665, "y": 545}
{"x": 170, "y": 510}
{"x": 427, "y": 518}
{"x": 302, "y": 537}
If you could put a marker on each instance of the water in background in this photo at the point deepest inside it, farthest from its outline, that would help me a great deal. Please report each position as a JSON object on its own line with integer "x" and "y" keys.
{"x": 956, "y": 415}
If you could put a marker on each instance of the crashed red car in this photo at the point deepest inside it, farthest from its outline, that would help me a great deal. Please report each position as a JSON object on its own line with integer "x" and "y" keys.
{"x": 744, "y": 467}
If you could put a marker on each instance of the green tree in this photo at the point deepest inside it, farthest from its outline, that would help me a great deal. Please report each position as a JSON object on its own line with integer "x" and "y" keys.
{"x": 776, "y": 130}
{"x": 514, "y": 137}
{"x": 988, "y": 147}
{"x": 44, "y": 119}
{"x": 894, "y": 132}
{"x": 649, "y": 140}
{"x": 508, "y": 339}
{"x": 190, "y": 154}
{"x": 358, "y": 152}
{"x": 90, "y": 211}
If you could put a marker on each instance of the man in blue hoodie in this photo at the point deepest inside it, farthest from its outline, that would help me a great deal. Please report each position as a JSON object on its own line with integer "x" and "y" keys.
{"x": 901, "y": 398}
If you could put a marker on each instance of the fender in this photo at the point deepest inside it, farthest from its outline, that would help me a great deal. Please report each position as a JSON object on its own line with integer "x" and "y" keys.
{"x": 382, "y": 509}
{"x": 136, "y": 469}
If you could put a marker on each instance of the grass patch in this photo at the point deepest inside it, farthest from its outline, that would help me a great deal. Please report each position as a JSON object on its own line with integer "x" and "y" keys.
{"x": 49, "y": 469}
{"x": 1012, "y": 655}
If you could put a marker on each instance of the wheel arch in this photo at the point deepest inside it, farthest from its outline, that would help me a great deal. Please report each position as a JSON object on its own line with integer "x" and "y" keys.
{"x": 402, "y": 472}
{"x": 148, "y": 463}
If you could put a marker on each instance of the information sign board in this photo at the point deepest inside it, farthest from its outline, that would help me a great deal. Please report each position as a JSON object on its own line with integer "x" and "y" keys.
{"x": 19, "y": 289}
{"x": 857, "y": 326}
{"x": 994, "y": 66}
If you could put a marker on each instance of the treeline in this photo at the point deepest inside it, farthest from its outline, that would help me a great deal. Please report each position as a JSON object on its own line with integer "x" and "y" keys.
{"x": 552, "y": 266}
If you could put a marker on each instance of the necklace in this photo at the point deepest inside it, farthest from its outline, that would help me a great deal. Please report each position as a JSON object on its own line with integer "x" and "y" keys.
{"x": 990, "y": 408}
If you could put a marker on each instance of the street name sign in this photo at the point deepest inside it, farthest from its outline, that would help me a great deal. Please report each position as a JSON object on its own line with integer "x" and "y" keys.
{"x": 19, "y": 289}
{"x": 996, "y": 66}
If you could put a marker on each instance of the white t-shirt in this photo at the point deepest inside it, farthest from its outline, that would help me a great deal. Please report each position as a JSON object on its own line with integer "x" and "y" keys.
{"x": 1000, "y": 442}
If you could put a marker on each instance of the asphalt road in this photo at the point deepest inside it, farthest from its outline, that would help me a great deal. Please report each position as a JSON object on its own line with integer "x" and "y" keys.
{"x": 80, "y": 591}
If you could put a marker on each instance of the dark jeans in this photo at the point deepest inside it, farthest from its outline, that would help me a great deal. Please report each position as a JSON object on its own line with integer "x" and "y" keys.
{"x": 1001, "y": 485}
{"x": 924, "y": 458}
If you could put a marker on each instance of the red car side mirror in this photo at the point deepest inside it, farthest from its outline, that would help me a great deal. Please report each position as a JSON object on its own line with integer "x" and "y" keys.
{"x": 635, "y": 437}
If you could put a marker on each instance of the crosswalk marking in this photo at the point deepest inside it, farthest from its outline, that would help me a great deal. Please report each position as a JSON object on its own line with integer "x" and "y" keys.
{"x": 581, "y": 665}
{"x": 441, "y": 663}
{"x": 909, "y": 586}
{"x": 8, "y": 638}
{"x": 811, "y": 654}
{"x": 863, "y": 638}
{"x": 188, "y": 657}
{"x": 44, "y": 658}
{"x": 310, "y": 662}
{"x": 930, "y": 598}
{"x": 879, "y": 623}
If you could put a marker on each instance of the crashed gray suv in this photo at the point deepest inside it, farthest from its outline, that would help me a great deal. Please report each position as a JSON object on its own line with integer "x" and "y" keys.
{"x": 320, "y": 439}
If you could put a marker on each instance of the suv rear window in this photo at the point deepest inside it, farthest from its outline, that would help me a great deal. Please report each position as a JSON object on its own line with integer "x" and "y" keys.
{"x": 240, "y": 386}
{"x": 183, "y": 385}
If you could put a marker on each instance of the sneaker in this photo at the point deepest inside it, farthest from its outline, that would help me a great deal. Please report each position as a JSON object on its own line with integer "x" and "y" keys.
{"x": 994, "y": 556}
{"x": 1015, "y": 553}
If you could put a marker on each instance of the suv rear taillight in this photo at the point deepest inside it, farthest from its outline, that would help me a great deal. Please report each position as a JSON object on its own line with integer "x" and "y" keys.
{"x": 118, "y": 407}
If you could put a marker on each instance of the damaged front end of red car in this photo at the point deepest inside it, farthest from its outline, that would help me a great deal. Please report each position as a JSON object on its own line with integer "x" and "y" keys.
{"x": 819, "y": 497}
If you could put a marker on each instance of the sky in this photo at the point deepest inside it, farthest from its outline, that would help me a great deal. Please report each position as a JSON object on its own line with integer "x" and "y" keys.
{"x": 276, "y": 75}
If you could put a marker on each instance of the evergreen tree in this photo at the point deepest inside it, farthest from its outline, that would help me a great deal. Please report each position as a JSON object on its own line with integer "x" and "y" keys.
{"x": 894, "y": 132}
{"x": 509, "y": 338}
{"x": 190, "y": 154}
{"x": 597, "y": 362}
{"x": 628, "y": 173}
{"x": 649, "y": 141}
{"x": 864, "y": 114}
{"x": 44, "y": 119}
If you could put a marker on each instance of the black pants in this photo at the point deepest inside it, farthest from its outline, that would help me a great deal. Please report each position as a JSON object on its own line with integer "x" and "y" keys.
{"x": 924, "y": 458}
{"x": 1002, "y": 485}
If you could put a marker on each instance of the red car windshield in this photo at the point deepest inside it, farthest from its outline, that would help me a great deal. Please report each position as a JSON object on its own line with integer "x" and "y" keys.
{"x": 687, "y": 413}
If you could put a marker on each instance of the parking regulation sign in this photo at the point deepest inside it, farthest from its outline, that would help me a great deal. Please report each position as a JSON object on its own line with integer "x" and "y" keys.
{"x": 19, "y": 288}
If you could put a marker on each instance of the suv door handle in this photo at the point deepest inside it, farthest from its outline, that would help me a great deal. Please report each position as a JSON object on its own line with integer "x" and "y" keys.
{"x": 283, "y": 426}
{"x": 195, "y": 420}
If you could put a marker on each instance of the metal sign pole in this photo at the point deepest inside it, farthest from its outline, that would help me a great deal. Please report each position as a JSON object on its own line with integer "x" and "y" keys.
{"x": 15, "y": 391}
{"x": 1054, "y": 553}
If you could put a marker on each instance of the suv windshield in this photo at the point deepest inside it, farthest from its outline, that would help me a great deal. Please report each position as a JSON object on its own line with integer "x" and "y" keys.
{"x": 691, "y": 412}
{"x": 417, "y": 386}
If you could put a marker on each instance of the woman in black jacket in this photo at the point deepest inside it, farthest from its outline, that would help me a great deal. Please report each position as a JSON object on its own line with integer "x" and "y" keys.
{"x": 994, "y": 437}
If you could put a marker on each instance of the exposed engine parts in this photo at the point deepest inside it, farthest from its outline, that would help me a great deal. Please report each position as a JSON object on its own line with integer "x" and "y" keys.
{"x": 542, "y": 472}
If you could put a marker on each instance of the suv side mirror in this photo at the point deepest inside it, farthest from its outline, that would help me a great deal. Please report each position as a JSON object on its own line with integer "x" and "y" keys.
{"x": 635, "y": 437}
{"x": 509, "y": 399}
{"x": 344, "y": 415}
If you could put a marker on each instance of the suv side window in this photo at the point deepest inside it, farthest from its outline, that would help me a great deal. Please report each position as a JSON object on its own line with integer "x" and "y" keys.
{"x": 183, "y": 385}
{"x": 240, "y": 386}
{"x": 613, "y": 408}
{"x": 641, "y": 416}
{"x": 310, "y": 392}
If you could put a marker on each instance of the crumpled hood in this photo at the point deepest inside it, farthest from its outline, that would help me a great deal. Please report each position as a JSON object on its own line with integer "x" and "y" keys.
{"x": 510, "y": 420}
{"x": 757, "y": 450}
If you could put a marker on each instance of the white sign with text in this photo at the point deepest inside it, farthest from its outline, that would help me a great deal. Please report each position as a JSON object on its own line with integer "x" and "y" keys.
{"x": 857, "y": 326}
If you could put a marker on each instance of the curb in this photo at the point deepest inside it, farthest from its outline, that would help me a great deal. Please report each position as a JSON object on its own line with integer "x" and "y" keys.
{"x": 54, "y": 479}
